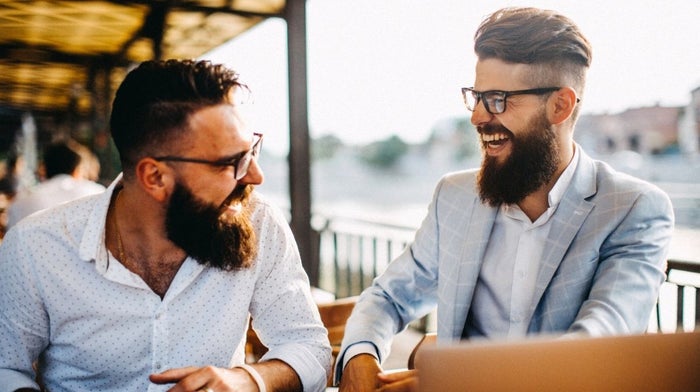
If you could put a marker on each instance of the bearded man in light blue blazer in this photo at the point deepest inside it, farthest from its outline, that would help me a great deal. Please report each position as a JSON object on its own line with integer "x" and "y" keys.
{"x": 542, "y": 239}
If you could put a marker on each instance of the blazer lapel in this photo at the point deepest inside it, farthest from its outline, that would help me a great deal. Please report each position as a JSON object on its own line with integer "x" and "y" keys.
{"x": 567, "y": 220}
{"x": 477, "y": 228}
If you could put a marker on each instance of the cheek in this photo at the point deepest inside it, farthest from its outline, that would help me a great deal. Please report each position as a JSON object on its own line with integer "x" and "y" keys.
{"x": 511, "y": 123}
{"x": 213, "y": 189}
{"x": 519, "y": 125}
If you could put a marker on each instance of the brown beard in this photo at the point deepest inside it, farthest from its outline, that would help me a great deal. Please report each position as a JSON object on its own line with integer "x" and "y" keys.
{"x": 206, "y": 234}
{"x": 532, "y": 162}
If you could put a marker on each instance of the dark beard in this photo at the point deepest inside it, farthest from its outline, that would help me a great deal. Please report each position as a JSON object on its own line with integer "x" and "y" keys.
{"x": 206, "y": 235}
{"x": 532, "y": 162}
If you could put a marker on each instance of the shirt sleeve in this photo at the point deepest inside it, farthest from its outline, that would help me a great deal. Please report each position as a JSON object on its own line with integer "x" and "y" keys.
{"x": 284, "y": 315}
{"x": 23, "y": 322}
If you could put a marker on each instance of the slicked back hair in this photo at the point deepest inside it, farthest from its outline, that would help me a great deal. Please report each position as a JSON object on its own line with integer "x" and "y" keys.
{"x": 550, "y": 41}
{"x": 154, "y": 102}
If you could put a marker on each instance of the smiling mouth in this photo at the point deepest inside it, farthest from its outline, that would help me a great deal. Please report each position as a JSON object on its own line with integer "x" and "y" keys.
{"x": 494, "y": 140}
{"x": 237, "y": 199}
{"x": 235, "y": 207}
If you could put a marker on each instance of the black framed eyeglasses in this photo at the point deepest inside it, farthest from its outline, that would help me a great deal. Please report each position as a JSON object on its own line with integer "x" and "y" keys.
{"x": 495, "y": 100}
{"x": 240, "y": 163}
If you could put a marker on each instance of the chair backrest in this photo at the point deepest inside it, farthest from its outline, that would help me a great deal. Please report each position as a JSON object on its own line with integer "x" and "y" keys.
{"x": 334, "y": 315}
{"x": 679, "y": 294}
{"x": 427, "y": 340}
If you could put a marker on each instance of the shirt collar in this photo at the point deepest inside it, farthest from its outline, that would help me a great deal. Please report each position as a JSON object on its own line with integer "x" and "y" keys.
{"x": 559, "y": 188}
{"x": 92, "y": 244}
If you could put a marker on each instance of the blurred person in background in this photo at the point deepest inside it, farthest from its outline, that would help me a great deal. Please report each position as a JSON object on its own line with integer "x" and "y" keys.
{"x": 4, "y": 204}
{"x": 10, "y": 179}
{"x": 90, "y": 163}
{"x": 64, "y": 168}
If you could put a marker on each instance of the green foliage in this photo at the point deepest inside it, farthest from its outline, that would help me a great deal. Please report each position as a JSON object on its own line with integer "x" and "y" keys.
{"x": 325, "y": 147}
{"x": 460, "y": 134}
{"x": 384, "y": 154}
{"x": 468, "y": 142}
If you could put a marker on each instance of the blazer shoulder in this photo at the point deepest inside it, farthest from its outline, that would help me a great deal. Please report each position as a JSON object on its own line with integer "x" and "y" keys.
{"x": 610, "y": 180}
{"x": 459, "y": 181}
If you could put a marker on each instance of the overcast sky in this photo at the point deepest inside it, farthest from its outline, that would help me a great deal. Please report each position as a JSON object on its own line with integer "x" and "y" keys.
{"x": 382, "y": 67}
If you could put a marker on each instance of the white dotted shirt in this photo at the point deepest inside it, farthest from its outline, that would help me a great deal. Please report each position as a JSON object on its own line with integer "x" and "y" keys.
{"x": 94, "y": 325}
{"x": 54, "y": 191}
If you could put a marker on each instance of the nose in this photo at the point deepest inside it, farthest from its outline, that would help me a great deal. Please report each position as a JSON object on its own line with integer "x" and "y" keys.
{"x": 480, "y": 115}
{"x": 254, "y": 175}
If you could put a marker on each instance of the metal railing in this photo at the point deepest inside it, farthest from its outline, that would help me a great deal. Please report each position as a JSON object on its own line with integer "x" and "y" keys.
{"x": 678, "y": 306}
{"x": 352, "y": 252}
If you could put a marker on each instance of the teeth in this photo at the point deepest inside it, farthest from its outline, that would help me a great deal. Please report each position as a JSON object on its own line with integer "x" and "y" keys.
{"x": 494, "y": 137}
{"x": 235, "y": 207}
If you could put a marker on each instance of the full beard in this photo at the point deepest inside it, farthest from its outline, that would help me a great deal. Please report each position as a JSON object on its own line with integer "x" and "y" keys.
{"x": 531, "y": 164}
{"x": 207, "y": 234}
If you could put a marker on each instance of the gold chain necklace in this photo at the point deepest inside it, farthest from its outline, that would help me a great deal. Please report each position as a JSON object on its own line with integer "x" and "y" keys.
{"x": 120, "y": 245}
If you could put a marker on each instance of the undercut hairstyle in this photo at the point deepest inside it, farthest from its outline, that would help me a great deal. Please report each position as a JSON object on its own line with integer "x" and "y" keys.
{"x": 153, "y": 104}
{"x": 549, "y": 41}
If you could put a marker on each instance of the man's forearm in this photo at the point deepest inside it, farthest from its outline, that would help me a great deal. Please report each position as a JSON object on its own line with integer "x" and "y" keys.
{"x": 360, "y": 374}
{"x": 278, "y": 376}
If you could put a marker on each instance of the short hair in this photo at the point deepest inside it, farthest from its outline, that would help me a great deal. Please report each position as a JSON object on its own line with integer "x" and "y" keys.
{"x": 60, "y": 158}
{"x": 153, "y": 104}
{"x": 538, "y": 37}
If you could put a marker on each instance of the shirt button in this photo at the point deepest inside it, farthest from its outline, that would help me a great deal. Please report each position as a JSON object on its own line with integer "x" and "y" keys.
{"x": 158, "y": 365}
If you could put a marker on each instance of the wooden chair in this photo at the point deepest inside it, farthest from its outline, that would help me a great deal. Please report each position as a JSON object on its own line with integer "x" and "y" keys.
{"x": 254, "y": 349}
{"x": 427, "y": 340}
{"x": 334, "y": 314}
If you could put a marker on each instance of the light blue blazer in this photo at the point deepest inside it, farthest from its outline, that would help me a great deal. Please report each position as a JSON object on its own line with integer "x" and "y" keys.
{"x": 601, "y": 270}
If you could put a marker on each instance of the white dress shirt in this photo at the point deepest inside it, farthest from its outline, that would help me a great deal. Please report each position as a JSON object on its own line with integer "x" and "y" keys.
{"x": 52, "y": 192}
{"x": 94, "y": 325}
{"x": 503, "y": 294}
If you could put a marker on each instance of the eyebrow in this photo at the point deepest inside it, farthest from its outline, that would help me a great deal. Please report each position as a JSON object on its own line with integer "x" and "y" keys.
{"x": 240, "y": 154}
{"x": 230, "y": 158}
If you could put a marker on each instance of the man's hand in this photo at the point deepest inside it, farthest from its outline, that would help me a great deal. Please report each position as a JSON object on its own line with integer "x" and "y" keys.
{"x": 277, "y": 376}
{"x": 360, "y": 374}
{"x": 191, "y": 379}
{"x": 402, "y": 381}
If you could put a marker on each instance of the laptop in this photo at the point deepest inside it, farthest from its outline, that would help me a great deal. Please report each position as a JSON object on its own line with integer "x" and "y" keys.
{"x": 649, "y": 362}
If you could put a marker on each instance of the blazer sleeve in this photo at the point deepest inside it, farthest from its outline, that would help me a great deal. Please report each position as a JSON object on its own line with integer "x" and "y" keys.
{"x": 631, "y": 269}
{"x": 405, "y": 291}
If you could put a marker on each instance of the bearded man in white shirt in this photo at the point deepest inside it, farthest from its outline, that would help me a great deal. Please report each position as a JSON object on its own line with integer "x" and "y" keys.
{"x": 151, "y": 285}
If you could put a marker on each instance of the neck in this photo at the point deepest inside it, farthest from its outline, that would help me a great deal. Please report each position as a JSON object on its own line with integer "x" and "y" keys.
{"x": 138, "y": 245}
{"x": 536, "y": 203}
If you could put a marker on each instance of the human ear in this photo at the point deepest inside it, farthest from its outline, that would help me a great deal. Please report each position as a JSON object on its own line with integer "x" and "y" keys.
{"x": 155, "y": 177}
{"x": 561, "y": 105}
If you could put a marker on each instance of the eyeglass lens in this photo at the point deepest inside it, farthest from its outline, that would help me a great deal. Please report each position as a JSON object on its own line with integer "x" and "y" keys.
{"x": 244, "y": 162}
{"x": 494, "y": 101}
